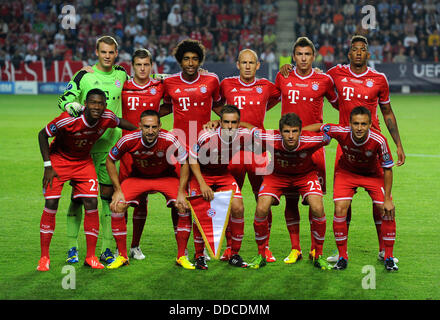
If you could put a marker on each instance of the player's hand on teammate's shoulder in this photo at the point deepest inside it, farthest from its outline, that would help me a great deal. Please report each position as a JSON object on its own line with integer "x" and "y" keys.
{"x": 286, "y": 69}
{"x": 87, "y": 69}
{"x": 211, "y": 125}
{"x": 74, "y": 109}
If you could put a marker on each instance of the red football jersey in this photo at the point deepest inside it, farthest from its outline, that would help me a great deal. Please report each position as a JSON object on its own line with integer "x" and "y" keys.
{"x": 192, "y": 102}
{"x": 366, "y": 89}
{"x": 251, "y": 98}
{"x": 136, "y": 99}
{"x": 214, "y": 153}
{"x": 305, "y": 95}
{"x": 150, "y": 161}
{"x": 297, "y": 161}
{"x": 365, "y": 158}
{"x": 74, "y": 137}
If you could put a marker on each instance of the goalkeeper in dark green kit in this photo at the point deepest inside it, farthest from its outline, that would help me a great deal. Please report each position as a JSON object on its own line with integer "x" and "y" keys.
{"x": 109, "y": 78}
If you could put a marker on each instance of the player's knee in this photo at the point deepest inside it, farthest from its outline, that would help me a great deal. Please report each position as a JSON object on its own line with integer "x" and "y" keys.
{"x": 262, "y": 209}
{"x": 51, "y": 204}
{"x": 317, "y": 208}
{"x": 237, "y": 208}
{"x": 90, "y": 203}
{"x": 106, "y": 191}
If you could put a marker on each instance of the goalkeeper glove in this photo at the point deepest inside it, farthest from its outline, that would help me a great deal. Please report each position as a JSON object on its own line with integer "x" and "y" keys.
{"x": 74, "y": 109}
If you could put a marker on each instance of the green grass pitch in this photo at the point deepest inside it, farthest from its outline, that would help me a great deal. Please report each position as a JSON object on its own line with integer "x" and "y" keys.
{"x": 415, "y": 193}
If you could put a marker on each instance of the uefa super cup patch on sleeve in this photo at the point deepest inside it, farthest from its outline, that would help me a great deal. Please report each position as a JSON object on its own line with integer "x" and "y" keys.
{"x": 53, "y": 128}
{"x": 115, "y": 151}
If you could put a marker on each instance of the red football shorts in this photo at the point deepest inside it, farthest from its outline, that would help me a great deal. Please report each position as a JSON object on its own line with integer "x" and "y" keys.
{"x": 248, "y": 162}
{"x": 217, "y": 183}
{"x": 81, "y": 174}
{"x": 347, "y": 182}
{"x": 277, "y": 185}
{"x": 134, "y": 187}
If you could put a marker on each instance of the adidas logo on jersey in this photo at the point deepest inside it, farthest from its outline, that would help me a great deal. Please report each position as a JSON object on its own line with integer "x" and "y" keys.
{"x": 177, "y": 91}
{"x": 234, "y": 90}
{"x": 289, "y": 84}
{"x": 344, "y": 80}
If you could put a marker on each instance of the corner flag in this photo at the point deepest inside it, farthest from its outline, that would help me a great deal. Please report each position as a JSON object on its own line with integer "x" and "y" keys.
{"x": 212, "y": 218}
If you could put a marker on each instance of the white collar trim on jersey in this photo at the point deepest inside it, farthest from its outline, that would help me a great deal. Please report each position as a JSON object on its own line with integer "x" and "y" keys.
{"x": 181, "y": 78}
{"x": 359, "y": 144}
{"x": 303, "y": 78}
{"x": 358, "y": 75}
{"x": 247, "y": 84}
{"x": 284, "y": 147}
{"x": 220, "y": 136}
{"x": 139, "y": 86}
{"x": 148, "y": 146}
{"x": 86, "y": 123}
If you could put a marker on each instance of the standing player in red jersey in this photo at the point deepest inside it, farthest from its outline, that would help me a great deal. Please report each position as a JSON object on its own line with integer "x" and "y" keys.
{"x": 253, "y": 97}
{"x": 153, "y": 151}
{"x": 138, "y": 94}
{"x": 68, "y": 158}
{"x": 357, "y": 84}
{"x": 191, "y": 96}
{"x": 303, "y": 92}
{"x": 293, "y": 171}
{"x": 209, "y": 160}
{"x": 365, "y": 162}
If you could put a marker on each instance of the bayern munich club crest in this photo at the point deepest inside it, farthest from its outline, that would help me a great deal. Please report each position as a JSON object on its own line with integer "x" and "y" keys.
{"x": 203, "y": 89}
{"x": 259, "y": 90}
{"x": 118, "y": 83}
{"x": 153, "y": 91}
{"x": 369, "y": 83}
{"x": 210, "y": 212}
{"x": 315, "y": 86}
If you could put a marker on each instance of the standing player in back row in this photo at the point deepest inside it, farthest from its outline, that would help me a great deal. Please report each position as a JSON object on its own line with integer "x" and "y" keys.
{"x": 138, "y": 94}
{"x": 253, "y": 97}
{"x": 303, "y": 92}
{"x": 359, "y": 85}
{"x": 191, "y": 96}
{"x": 109, "y": 78}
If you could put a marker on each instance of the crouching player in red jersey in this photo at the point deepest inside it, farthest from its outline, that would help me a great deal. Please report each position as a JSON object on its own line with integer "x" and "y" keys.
{"x": 153, "y": 150}
{"x": 365, "y": 162}
{"x": 209, "y": 160}
{"x": 293, "y": 171}
{"x": 68, "y": 158}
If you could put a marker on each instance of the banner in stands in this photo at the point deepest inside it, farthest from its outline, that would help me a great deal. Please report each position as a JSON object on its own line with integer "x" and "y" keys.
{"x": 417, "y": 76}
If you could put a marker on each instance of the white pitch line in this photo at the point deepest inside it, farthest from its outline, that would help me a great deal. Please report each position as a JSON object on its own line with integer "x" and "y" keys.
{"x": 422, "y": 155}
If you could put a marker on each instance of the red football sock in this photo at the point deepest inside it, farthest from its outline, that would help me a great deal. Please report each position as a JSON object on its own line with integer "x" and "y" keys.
{"x": 377, "y": 216}
{"x": 139, "y": 218}
{"x": 388, "y": 235}
{"x": 318, "y": 232}
{"x": 291, "y": 215}
{"x": 47, "y": 227}
{"x": 348, "y": 219}
{"x": 261, "y": 227}
{"x": 228, "y": 234}
{"x": 237, "y": 232}
{"x": 183, "y": 232}
{"x": 312, "y": 239}
{"x": 199, "y": 244}
{"x": 91, "y": 230}
{"x": 340, "y": 232}
{"x": 119, "y": 229}
{"x": 269, "y": 225}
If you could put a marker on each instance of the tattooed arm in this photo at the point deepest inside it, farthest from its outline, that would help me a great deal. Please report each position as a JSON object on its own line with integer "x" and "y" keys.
{"x": 391, "y": 123}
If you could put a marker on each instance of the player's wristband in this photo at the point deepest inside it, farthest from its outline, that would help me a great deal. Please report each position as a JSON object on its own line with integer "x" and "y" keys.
{"x": 47, "y": 164}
